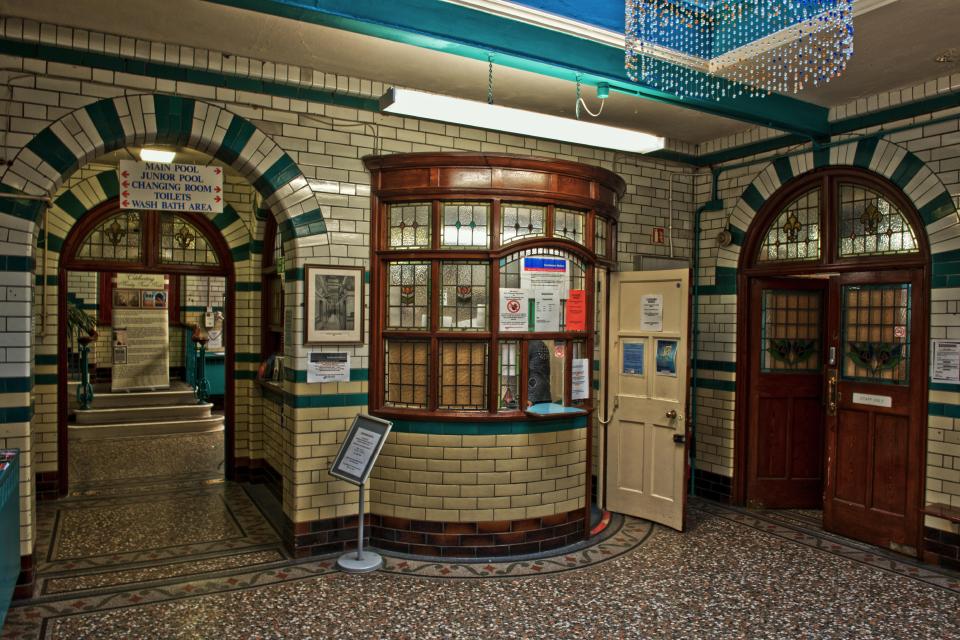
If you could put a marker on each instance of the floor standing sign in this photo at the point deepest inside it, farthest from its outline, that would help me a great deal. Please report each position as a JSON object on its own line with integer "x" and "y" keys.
{"x": 353, "y": 463}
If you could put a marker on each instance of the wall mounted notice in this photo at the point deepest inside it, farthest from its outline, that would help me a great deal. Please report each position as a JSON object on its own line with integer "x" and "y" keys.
{"x": 140, "y": 332}
{"x": 328, "y": 367}
{"x": 360, "y": 449}
{"x": 547, "y": 281}
{"x": 547, "y": 316}
{"x": 577, "y": 310}
{"x": 514, "y": 310}
{"x": 633, "y": 358}
{"x": 945, "y": 361}
{"x": 580, "y": 379}
{"x": 158, "y": 186}
{"x": 651, "y": 318}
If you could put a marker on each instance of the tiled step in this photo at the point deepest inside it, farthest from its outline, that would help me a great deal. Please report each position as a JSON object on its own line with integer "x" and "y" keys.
{"x": 103, "y": 398}
{"x": 154, "y": 427}
{"x": 143, "y": 414}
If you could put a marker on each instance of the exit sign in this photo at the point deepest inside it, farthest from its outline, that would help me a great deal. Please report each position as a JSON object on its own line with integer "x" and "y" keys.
{"x": 658, "y": 235}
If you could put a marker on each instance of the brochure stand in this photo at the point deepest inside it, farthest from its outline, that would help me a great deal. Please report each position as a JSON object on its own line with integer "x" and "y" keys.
{"x": 353, "y": 463}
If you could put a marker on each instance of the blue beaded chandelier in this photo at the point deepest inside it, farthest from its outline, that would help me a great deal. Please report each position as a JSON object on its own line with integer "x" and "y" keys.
{"x": 728, "y": 48}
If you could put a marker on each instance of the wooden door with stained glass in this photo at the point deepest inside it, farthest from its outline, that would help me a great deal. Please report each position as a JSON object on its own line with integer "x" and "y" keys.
{"x": 875, "y": 416}
{"x": 785, "y": 460}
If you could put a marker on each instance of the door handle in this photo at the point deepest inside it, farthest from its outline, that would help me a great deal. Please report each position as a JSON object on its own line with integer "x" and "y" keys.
{"x": 832, "y": 394}
{"x": 672, "y": 414}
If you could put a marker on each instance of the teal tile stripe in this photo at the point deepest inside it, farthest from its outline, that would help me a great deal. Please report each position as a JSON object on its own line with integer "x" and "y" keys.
{"x": 944, "y": 410}
{"x": 45, "y": 379}
{"x": 325, "y": 400}
{"x": 719, "y": 385}
{"x": 942, "y": 386}
{"x": 17, "y": 385}
{"x": 490, "y": 428}
{"x": 16, "y": 414}
{"x": 107, "y": 121}
{"x": 784, "y": 170}
{"x": 45, "y": 358}
{"x": 725, "y": 283}
{"x": 299, "y": 375}
{"x": 174, "y": 117}
{"x": 23, "y": 209}
{"x": 49, "y": 148}
{"x": 716, "y": 365}
{"x": 109, "y": 183}
{"x": 71, "y": 204}
{"x": 865, "y": 151}
{"x": 238, "y": 134}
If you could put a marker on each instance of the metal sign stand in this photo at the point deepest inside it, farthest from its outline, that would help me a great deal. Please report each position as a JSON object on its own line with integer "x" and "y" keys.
{"x": 360, "y": 561}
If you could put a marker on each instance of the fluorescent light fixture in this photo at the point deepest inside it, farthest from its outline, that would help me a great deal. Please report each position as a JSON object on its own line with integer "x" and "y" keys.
{"x": 157, "y": 155}
{"x": 433, "y": 106}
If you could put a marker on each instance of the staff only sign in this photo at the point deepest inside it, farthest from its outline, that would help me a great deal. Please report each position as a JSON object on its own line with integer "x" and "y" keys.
{"x": 158, "y": 186}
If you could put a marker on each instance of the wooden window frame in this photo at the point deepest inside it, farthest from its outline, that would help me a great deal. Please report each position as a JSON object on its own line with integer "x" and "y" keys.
{"x": 593, "y": 191}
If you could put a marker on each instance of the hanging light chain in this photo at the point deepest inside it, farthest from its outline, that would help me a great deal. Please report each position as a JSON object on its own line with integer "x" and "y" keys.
{"x": 490, "y": 79}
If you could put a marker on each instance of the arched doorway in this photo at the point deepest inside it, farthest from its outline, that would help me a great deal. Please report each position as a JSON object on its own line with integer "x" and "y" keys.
{"x": 832, "y": 359}
{"x": 108, "y": 241}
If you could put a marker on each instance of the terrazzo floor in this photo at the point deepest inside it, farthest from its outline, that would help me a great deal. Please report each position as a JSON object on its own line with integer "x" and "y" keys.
{"x": 223, "y": 574}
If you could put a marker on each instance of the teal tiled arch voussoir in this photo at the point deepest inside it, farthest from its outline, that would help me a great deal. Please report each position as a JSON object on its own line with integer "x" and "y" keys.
{"x": 177, "y": 123}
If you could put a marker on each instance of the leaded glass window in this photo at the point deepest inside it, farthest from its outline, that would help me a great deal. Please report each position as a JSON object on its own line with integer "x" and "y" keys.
{"x": 876, "y": 333}
{"x": 601, "y": 233}
{"x": 463, "y": 296}
{"x": 407, "y": 373}
{"x": 116, "y": 238}
{"x": 410, "y": 225}
{"x": 519, "y": 221}
{"x": 871, "y": 225}
{"x": 183, "y": 243}
{"x": 795, "y": 234}
{"x": 463, "y": 375}
{"x": 466, "y": 225}
{"x": 408, "y": 295}
{"x": 509, "y": 368}
{"x": 569, "y": 223}
{"x": 790, "y": 331}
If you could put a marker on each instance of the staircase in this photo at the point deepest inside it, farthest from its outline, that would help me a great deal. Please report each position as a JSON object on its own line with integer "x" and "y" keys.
{"x": 143, "y": 435}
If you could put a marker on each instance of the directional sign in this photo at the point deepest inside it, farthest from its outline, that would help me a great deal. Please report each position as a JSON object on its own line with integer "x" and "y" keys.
{"x": 158, "y": 186}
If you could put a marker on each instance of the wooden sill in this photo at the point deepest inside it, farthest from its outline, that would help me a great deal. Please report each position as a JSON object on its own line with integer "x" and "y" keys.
{"x": 944, "y": 511}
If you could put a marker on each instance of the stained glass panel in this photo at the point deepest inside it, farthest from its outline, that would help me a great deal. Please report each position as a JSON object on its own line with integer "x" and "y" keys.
{"x": 182, "y": 243}
{"x": 871, "y": 225}
{"x": 410, "y": 225}
{"x": 407, "y": 373}
{"x": 795, "y": 234}
{"x": 465, "y": 225}
{"x": 116, "y": 238}
{"x": 876, "y": 333}
{"x": 569, "y": 223}
{"x": 463, "y": 296}
{"x": 519, "y": 221}
{"x": 463, "y": 375}
{"x": 791, "y": 328}
{"x": 408, "y": 295}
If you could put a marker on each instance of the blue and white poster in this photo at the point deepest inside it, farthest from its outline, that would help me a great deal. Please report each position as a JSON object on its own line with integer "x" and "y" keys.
{"x": 667, "y": 358}
{"x": 633, "y": 358}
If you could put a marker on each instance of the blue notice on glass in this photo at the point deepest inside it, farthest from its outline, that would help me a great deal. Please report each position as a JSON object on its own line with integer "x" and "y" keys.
{"x": 633, "y": 358}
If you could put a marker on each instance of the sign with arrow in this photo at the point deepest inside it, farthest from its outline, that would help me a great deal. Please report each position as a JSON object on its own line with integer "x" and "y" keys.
{"x": 157, "y": 186}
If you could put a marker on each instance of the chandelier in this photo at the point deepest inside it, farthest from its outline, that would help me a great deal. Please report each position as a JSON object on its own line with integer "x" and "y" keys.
{"x": 727, "y": 48}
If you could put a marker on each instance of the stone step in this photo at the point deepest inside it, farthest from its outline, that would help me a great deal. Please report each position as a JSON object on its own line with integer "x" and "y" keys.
{"x": 103, "y": 398}
{"x": 143, "y": 414}
{"x": 133, "y": 429}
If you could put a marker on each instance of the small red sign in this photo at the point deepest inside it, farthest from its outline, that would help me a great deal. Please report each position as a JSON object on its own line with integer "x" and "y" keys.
{"x": 658, "y": 235}
{"x": 577, "y": 310}
{"x": 900, "y": 331}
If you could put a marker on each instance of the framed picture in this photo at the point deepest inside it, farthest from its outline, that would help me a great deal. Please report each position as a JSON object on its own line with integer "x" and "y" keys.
{"x": 334, "y": 305}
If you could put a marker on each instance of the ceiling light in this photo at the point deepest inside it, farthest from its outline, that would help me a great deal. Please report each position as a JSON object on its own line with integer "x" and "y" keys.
{"x": 157, "y": 155}
{"x": 433, "y": 106}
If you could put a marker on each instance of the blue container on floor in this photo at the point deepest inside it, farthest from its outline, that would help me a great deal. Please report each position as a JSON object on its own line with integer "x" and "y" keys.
{"x": 9, "y": 526}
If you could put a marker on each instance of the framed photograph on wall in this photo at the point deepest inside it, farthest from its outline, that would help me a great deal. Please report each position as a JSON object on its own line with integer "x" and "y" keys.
{"x": 334, "y": 305}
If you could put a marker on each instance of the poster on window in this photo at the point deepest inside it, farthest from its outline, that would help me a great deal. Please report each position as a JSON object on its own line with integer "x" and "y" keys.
{"x": 667, "y": 358}
{"x": 514, "y": 310}
{"x": 580, "y": 379}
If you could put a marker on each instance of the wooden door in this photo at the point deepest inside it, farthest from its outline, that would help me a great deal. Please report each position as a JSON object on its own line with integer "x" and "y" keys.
{"x": 876, "y": 409}
{"x": 785, "y": 454}
{"x": 646, "y": 467}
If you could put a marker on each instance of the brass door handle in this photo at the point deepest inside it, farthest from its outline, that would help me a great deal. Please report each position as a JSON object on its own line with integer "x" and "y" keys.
{"x": 672, "y": 414}
{"x": 831, "y": 392}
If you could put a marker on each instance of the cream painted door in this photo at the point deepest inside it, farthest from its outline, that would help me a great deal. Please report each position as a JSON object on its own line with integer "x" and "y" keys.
{"x": 646, "y": 467}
